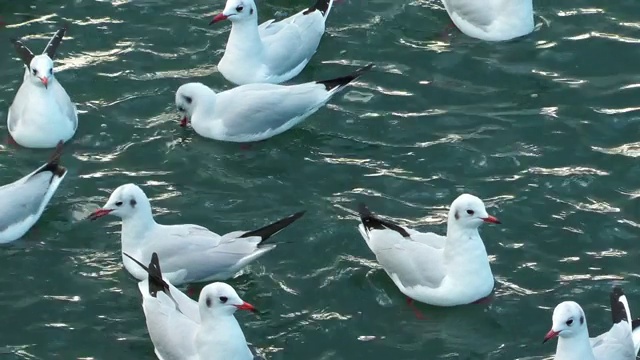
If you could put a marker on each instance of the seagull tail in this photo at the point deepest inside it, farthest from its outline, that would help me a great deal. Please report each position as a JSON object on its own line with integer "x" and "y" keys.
{"x": 268, "y": 231}
{"x": 324, "y": 6}
{"x": 156, "y": 282}
{"x": 337, "y": 84}
{"x": 55, "y": 41}
{"x": 53, "y": 165}
{"x": 619, "y": 306}
{"x": 371, "y": 222}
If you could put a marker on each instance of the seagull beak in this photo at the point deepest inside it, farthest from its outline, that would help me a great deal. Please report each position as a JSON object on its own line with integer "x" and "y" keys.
{"x": 550, "y": 335}
{"x": 184, "y": 121}
{"x": 218, "y": 18}
{"x": 491, "y": 219}
{"x": 99, "y": 213}
{"x": 45, "y": 81}
{"x": 246, "y": 306}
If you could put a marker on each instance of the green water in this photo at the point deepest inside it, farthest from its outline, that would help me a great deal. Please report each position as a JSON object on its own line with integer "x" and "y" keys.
{"x": 545, "y": 129}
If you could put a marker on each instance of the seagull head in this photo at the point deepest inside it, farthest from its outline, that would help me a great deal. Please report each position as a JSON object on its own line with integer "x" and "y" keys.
{"x": 41, "y": 70}
{"x": 125, "y": 201}
{"x": 568, "y": 321}
{"x": 237, "y": 10}
{"x": 221, "y": 299}
{"x": 468, "y": 211}
{"x": 187, "y": 98}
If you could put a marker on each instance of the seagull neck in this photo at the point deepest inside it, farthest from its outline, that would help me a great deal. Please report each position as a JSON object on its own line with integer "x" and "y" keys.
{"x": 204, "y": 109}
{"x": 220, "y": 333}
{"x": 464, "y": 249}
{"x": 135, "y": 227}
{"x": 575, "y": 348}
{"x": 245, "y": 37}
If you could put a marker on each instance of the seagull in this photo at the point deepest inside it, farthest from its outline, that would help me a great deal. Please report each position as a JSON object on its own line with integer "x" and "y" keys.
{"x": 41, "y": 113}
{"x": 255, "y": 112}
{"x": 24, "y": 200}
{"x": 191, "y": 253}
{"x": 273, "y": 52}
{"x": 430, "y": 268}
{"x": 492, "y": 20}
{"x": 621, "y": 342}
{"x": 181, "y": 328}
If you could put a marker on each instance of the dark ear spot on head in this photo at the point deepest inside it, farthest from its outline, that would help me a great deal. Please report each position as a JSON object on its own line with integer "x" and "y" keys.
{"x": 251, "y": 11}
{"x": 581, "y": 320}
{"x": 208, "y": 302}
{"x": 456, "y": 215}
{"x": 133, "y": 202}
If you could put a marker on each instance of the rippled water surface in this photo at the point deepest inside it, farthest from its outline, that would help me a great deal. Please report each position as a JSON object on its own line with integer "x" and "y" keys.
{"x": 544, "y": 129}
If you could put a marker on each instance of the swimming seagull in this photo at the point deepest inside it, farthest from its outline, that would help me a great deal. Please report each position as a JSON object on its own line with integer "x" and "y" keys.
{"x": 181, "y": 328}
{"x": 24, "y": 200}
{"x": 430, "y": 268}
{"x": 621, "y": 342}
{"x": 190, "y": 253}
{"x": 273, "y": 52}
{"x": 41, "y": 113}
{"x": 257, "y": 111}
{"x": 492, "y": 20}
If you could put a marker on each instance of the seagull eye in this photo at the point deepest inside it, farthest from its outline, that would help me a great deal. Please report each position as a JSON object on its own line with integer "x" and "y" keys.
{"x": 239, "y": 8}
{"x": 119, "y": 203}
{"x": 223, "y": 299}
{"x": 569, "y": 322}
{"x": 50, "y": 71}
{"x": 470, "y": 212}
{"x": 35, "y": 72}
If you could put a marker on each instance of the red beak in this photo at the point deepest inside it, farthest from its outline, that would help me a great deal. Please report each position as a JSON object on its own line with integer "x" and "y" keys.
{"x": 99, "y": 213}
{"x": 246, "y": 306}
{"x": 184, "y": 121}
{"x": 550, "y": 335}
{"x": 491, "y": 219}
{"x": 45, "y": 81}
{"x": 218, "y": 18}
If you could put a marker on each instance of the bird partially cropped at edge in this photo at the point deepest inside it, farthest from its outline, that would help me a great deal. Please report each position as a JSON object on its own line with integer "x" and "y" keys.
{"x": 492, "y": 20}
{"x": 275, "y": 51}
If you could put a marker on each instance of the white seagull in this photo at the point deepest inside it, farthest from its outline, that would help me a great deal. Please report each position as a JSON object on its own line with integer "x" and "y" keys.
{"x": 182, "y": 329}
{"x": 433, "y": 269}
{"x": 190, "y": 253}
{"x": 273, "y": 52}
{"x": 621, "y": 342}
{"x": 257, "y": 111}
{"x": 41, "y": 113}
{"x": 24, "y": 200}
{"x": 492, "y": 20}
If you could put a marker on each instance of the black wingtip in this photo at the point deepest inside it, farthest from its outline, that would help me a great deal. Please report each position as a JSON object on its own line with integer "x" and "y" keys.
{"x": 635, "y": 324}
{"x": 618, "y": 311}
{"x": 23, "y": 51}
{"x": 371, "y": 222}
{"x": 53, "y": 165}
{"x": 268, "y": 231}
{"x": 344, "y": 80}
{"x": 55, "y": 41}
{"x": 156, "y": 283}
{"x": 320, "y": 5}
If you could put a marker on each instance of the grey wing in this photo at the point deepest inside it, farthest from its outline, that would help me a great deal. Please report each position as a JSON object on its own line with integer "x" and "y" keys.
{"x": 269, "y": 27}
{"x": 67, "y": 107}
{"x": 429, "y": 238}
{"x": 200, "y": 253}
{"x": 616, "y": 344}
{"x": 257, "y": 108}
{"x": 17, "y": 108}
{"x": 23, "y": 198}
{"x": 412, "y": 263}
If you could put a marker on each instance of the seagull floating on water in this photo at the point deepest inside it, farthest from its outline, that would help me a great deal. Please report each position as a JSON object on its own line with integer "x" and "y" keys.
{"x": 621, "y": 342}
{"x": 181, "y": 328}
{"x": 492, "y": 20}
{"x": 275, "y": 51}
{"x": 257, "y": 111}
{"x": 24, "y": 200}
{"x": 41, "y": 113}
{"x": 190, "y": 253}
{"x": 430, "y": 268}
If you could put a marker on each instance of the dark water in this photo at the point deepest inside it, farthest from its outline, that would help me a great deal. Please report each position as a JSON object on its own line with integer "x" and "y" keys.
{"x": 545, "y": 129}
